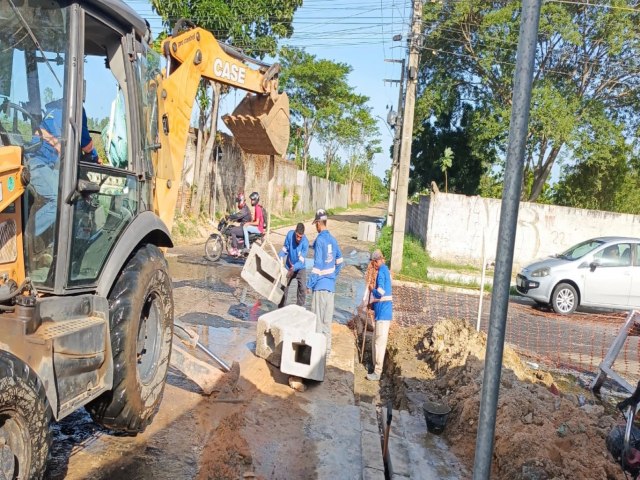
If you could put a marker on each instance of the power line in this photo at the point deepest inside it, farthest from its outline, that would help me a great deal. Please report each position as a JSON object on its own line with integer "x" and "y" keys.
{"x": 596, "y": 5}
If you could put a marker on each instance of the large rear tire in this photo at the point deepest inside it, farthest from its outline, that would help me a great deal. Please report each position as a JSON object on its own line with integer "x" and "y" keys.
{"x": 213, "y": 248}
{"x": 141, "y": 319}
{"x": 25, "y": 416}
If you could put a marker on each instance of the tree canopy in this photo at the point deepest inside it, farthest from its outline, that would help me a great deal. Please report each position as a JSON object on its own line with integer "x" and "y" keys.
{"x": 318, "y": 90}
{"x": 585, "y": 99}
{"x": 254, "y": 26}
{"x": 326, "y": 108}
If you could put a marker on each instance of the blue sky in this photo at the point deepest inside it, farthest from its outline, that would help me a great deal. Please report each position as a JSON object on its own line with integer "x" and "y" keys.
{"x": 356, "y": 32}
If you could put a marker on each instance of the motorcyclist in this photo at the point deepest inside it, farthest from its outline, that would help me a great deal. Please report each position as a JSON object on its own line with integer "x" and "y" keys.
{"x": 257, "y": 224}
{"x": 242, "y": 216}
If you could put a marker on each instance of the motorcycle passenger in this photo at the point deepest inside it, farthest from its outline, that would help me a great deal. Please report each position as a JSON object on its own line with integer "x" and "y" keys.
{"x": 243, "y": 215}
{"x": 257, "y": 224}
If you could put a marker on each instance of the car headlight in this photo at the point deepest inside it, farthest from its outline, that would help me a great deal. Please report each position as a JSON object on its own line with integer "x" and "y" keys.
{"x": 541, "y": 272}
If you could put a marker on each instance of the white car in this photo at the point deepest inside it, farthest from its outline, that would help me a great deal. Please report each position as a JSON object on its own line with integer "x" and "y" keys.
{"x": 601, "y": 272}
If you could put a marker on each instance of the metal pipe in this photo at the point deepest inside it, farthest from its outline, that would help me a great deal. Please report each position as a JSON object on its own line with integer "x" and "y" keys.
{"x": 225, "y": 366}
{"x": 523, "y": 80}
{"x": 193, "y": 340}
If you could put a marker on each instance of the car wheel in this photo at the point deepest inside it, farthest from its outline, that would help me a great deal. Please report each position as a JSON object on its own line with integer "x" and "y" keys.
{"x": 141, "y": 318}
{"x": 564, "y": 299}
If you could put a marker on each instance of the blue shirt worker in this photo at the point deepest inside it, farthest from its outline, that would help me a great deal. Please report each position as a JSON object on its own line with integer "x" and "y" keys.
{"x": 294, "y": 252}
{"x": 382, "y": 303}
{"x": 327, "y": 263}
{"x": 43, "y": 164}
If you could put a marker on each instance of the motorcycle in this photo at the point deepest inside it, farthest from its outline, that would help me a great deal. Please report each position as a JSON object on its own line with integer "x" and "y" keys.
{"x": 220, "y": 241}
{"x": 623, "y": 441}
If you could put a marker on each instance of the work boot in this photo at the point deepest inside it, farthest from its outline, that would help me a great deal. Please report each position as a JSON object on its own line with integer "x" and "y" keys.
{"x": 374, "y": 377}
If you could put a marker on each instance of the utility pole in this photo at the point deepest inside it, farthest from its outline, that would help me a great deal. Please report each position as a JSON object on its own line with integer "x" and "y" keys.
{"x": 397, "y": 132}
{"x": 400, "y": 212}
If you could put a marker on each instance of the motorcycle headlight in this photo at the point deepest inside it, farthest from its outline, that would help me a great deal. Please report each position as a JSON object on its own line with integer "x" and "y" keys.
{"x": 541, "y": 272}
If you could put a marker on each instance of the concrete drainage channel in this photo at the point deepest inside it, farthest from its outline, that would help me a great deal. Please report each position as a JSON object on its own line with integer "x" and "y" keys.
{"x": 413, "y": 452}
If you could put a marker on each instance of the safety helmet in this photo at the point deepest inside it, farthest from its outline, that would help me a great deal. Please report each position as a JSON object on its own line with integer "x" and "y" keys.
{"x": 240, "y": 200}
{"x": 255, "y": 198}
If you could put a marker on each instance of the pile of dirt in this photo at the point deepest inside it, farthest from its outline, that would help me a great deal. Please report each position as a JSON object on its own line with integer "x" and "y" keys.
{"x": 227, "y": 454}
{"x": 541, "y": 431}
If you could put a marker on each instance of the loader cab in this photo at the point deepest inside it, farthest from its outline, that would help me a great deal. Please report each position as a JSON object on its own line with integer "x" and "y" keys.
{"x": 77, "y": 205}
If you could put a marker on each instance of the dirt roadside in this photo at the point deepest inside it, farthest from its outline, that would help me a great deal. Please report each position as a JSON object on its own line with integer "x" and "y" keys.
{"x": 545, "y": 428}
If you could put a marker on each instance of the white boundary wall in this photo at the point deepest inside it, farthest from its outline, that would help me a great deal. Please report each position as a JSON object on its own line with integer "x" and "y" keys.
{"x": 455, "y": 225}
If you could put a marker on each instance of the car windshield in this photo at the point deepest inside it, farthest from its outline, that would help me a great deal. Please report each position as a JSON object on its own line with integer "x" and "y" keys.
{"x": 580, "y": 250}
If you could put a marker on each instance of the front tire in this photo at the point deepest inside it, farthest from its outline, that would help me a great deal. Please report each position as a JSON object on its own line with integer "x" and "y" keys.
{"x": 564, "y": 299}
{"x": 25, "y": 416}
{"x": 141, "y": 319}
{"x": 213, "y": 248}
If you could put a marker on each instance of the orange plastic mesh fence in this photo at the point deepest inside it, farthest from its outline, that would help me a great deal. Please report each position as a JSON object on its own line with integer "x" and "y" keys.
{"x": 578, "y": 342}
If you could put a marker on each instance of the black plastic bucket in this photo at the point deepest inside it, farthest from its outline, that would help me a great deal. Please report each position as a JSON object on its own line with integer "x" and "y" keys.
{"x": 436, "y": 415}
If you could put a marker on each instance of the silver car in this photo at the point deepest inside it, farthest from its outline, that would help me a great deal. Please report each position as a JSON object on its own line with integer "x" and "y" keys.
{"x": 601, "y": 272}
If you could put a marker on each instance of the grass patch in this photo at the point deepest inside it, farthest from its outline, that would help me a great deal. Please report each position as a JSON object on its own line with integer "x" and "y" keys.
{"x": 184, "y": 226}
{"x": 278, "y": 221}
{"x": 291, "y": 219}
{"x": 416, "y": 263}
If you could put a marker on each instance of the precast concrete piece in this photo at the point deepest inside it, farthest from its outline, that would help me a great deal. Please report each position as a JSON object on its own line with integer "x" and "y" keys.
{"x": 429, "y": 455}
{"x": 271, "y": 329}
{"x": 264, "y": 273}
{"x": 303, "y": 354}
{"x": 417, "y": 454}
{"x": 367, "y": 231}
{"x": 372, "y": 474}
{"x": 371, "y": 451}
{"x": 369, "y": 418}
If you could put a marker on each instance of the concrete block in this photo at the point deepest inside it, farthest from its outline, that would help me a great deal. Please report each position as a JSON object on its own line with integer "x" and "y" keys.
{"x": 264, "y": 273}
{"x": 372, "y": 451}
{"x": 372, "y": 474}
{"x": 270, "y": 330}
{"x": 367, "y": 231}
{"x": 398, "y": 457}
{"x": 303, "y": 354}
{"x": 396, "y": 430}
{"x": 430, "y": 457}
{"x": 369, "y": 418}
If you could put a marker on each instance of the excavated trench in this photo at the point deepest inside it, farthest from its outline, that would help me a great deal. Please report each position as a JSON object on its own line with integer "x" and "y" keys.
{"x": 543, "y": 430}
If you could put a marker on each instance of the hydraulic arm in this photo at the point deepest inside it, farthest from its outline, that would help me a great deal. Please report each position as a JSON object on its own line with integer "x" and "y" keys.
{"x": 260, "y": 123}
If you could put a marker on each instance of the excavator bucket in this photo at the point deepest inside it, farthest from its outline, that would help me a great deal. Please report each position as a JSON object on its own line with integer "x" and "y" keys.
{"x": 260, "y": 124}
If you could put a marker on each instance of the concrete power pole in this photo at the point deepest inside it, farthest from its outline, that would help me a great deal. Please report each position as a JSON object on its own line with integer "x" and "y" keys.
{"x": 397, "y": 132}
{"x": 400, "y": 214}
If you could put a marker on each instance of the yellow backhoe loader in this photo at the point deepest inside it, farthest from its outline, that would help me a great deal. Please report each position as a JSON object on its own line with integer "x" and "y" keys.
{"x": 86, "y": 303}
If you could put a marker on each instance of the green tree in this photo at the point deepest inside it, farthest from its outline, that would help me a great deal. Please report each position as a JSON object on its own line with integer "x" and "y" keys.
{"x": 587, "y": 61}
{"x": 254, "y": 26}
{"x": 609, "y": 178}
{"x": 452, "y": 129}
{"x": 446, "y": 160}
{"x": 318, "y": 92}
